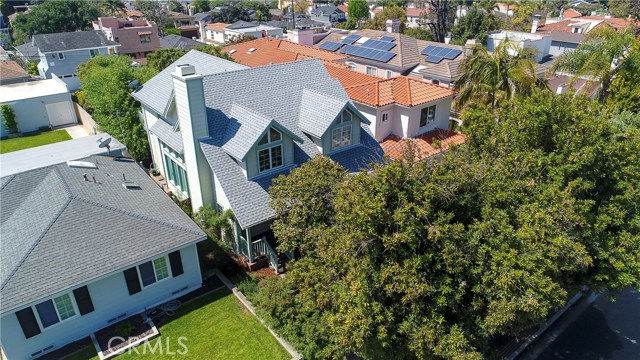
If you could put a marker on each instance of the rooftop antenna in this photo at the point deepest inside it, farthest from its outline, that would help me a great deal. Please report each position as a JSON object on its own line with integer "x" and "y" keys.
{"x": 105, "y": 144}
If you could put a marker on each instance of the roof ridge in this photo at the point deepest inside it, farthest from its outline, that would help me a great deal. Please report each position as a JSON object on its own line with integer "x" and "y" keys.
{"x": 262, "y": 67}
{"x": 322, "y": 93}
{"x": 2, "y": 186}
{"x": 136, "y": 215}
{"x": 408, "y": 84}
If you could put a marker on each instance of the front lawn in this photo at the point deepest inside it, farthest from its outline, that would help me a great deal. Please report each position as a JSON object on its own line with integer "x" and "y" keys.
{"x": 215, "y": 326}
{"x": 29, "y": 141}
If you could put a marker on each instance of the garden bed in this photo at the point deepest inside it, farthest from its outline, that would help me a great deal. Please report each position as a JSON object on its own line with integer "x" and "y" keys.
{"x": 124, "y": 333}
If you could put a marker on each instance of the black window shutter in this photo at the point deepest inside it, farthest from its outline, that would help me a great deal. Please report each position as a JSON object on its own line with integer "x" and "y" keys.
{"x": 133, "y": 284}
{"x": 176, "y": 263}
{"x": 27, "y": 320}
{"x": 83, "y": 299}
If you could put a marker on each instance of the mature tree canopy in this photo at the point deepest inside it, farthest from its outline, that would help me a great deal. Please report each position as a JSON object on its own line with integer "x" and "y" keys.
{"x": 440, "y": 17}
{"x": 107, "y": 84}
{"x": 160, "y": 59}
{"x": 231, "y": 14}
{"x": 624, "y": 93}
{"x": 153, "y": 11}
{"x": 434, "y": 260}
{"x": 379, "y": 22}
{"x": 476, "y": 24}
{"x": 625, "y": 8}
{"x": 358, "y": 9}
{"x": 53, "y": 17}
{"x": 421, "y": 33}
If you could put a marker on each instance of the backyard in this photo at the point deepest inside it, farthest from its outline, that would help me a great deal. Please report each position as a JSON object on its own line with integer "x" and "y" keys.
{"x": 214, "y": 326}
{"x": 29, "y": 141}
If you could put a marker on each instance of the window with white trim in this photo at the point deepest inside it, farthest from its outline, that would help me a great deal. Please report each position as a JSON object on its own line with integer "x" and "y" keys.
{"x": 389, "y": 74}
{"x": 352, "y": 66}
{"x": 372, "y": 71}
{"x": 270, "y": 150}
{"x": 154, "y": 271}
{"x": 174, "y": 169}
{"x": 94, "y": 52}
{"x": 385, "y": 116}
{"x": 55, "y": 310}
{"x": 427, "y": 115}
{"x": 61, "y": 56}
{"x": 341, "y": 134}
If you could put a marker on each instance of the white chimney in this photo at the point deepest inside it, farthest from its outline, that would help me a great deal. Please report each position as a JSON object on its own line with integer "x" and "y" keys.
{"x": 202, "y": 34}
{"x": 447, "y": 38}
{"x": 534, "y": 26}
{"x": 192, "y": 117}
{"x": 301, "y": 36}
{"x": 561, "y": 89}
{"x": 393, "y": 26}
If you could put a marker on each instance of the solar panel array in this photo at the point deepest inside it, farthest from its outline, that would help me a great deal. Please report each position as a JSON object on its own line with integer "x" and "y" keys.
{"x": 388, "y": 38}
{"x": 351, "y": 39}
{"x": 330, "y": 45}
{"x": 435, "y": 53}
{"x": 368, "y": 53}
{"x": 379, "y": 45}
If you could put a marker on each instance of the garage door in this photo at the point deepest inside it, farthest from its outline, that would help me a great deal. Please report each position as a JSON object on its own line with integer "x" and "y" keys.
{"x": 61, "y": 113}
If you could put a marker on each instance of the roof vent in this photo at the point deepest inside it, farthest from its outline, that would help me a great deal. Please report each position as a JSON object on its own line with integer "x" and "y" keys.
{"x": 251, "y": 50}
{"x": 232, "y": 51}
{"x": 81, "y": 164}
{"x": 131, "y": 185}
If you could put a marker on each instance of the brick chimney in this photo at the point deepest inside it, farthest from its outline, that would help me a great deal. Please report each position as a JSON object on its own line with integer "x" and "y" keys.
{"x": 393, "y": 26}
{"x": 192, "y": 117}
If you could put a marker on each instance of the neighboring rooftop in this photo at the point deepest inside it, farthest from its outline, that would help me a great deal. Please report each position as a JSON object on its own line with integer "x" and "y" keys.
{"x": 422, "y": 146}
{"x": 41, "y": 156}
{"x": 399, "y": 90}
{"x": 274, "y": 51}
{"x": 10, "y": 70}
{"x": 31, "y": 89}
{"x": 217, "y": 26}
{"x": 71, "y": 40}
{"x": 80, "y": 229}
{"x": 178, "y": 42}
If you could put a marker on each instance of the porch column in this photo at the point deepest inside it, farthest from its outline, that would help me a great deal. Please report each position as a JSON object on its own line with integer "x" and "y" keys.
{"x": 249, "y": 245}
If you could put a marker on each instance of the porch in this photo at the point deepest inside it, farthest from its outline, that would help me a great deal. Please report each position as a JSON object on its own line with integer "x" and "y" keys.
{"x": 259, "y": 250}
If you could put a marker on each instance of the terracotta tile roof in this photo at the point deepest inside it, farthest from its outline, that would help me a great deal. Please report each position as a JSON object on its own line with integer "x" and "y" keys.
{"x": 422, "y": 146}
{"x": 617, "y": 23}
{"x": 10, "y": 69}
{"x": 348, "y": 77}
{"x": 377, "y": 10}
{"x": 344, "y": 8}
{"x": 560, "y": 26}
{"x": 136, "y": 13}
{"x": 273, "y": 51}
{"x": 217, "y": 26}
{"x": 401, "y": 90}
{"x": 415, "y": 12}
{"x": 570, "y": 14}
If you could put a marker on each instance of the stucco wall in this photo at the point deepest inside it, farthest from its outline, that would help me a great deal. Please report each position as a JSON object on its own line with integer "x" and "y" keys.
{"x": 110, "y": 298}
{"x": 31, "y": 114}
{"x": 380, "y": 71}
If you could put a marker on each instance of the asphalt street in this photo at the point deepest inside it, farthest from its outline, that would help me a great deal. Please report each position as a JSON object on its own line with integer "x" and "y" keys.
{"x": 594, "y": 329}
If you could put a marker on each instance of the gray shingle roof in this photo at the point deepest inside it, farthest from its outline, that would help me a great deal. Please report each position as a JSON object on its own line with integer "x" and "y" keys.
{"x": 71, "y": 40}
{"x": 314, "y": 119}
{"x": 157, "y": 92}
{"x": 60, "y": 231}
{"x": 225, "y": 91}
{"x": 164, "y": 132}
{"x": 173, "y": 41}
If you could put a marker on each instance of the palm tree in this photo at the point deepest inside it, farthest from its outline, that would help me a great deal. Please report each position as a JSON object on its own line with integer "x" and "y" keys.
{"x": 490, "y": 78}
{"x": 600, "y": 57}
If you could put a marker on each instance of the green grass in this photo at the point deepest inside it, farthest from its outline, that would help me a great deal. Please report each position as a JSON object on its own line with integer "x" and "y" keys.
{"x": 25, "y": 142}
{"x": 215, "y": 326}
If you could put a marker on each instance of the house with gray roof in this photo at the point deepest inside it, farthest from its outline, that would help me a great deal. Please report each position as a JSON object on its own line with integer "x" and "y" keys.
{"x": 329, "y": 15}
{"x": 86, "y": 243}
{"x": 61, "y": 53}
{"x": 220, "y": 135}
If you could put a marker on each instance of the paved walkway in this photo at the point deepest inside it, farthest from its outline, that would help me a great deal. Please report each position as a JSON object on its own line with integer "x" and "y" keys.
{"x": 78, "y": 131}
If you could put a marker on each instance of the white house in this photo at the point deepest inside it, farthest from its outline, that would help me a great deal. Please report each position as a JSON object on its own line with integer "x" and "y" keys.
{"x": 86, "y": 244}
{"x": 38, "y": 105}
{"x": 220, "y": 138}
{"x": 541, "y": 43}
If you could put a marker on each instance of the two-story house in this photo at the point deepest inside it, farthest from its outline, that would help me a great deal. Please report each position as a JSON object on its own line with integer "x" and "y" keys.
{"x": 220, "y": 134}
{"x": 61, "y": 53}
{"x": 86, "y": 242}
{"x": 137, "y": 38}
{"x": 328, "y": 15}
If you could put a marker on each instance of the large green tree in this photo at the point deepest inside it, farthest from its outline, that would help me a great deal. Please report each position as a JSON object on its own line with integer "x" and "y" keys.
{"x": 358, "y": 9}
{"x": 491, "y": 78}
{"x": 624, "y": 92}
{"x": 476, "y": 24}
{"x": 434, "y": 260}
{"x": 439, "y": 18}
{"x": 107, "y": 83}
{"x": 393, "y": 12}
{"x": 603, "y": 54}
{"x": 160, "y": 59}
{"x": 53, "y": 17}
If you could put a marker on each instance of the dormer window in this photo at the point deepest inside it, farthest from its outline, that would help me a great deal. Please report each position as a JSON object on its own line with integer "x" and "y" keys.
{"x": 341, "y": 134}
{"x": 270, "y": 150}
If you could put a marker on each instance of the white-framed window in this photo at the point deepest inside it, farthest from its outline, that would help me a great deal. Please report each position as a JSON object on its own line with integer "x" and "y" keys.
{"x": 56, "y": 310}
{"x": 270, "y": 151}
{"x": 94, "y": 52}
{"x": 61, "y": 56}
{"x": 384, "y": 116}
{"x": 372, "y": 71}
{"x": 341, "y": 134}
{"x": 427, "y": 115}
{"x": 154, "y": 271}
{"x": 174, "y": 169}
{"x": 389, "y": 74}
{"x": 352, "y": 66}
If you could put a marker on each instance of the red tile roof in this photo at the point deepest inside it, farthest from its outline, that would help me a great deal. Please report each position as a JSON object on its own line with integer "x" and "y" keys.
{"x": 344, "y": 8}
{"x": 217, "y": 26}
{"x": 560, "y": 26}
{"x": 415, "y": 12}
{"x": 616, "y": 23}
{"x": 570, "y": 14}
{"x": 401, "y": 90}
{"x": 422, "y": 146}
{"x": 10, "y": 69}
{"x": 135, "y": 13}
{"x": 274, "y": 51}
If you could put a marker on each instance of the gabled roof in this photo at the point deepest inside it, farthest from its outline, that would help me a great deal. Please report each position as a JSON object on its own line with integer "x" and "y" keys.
{"x": 318, "y": 111}
{"x": 173, "y": 41}
{"x": 416, "y": 12}
{"x": 273, "y": 51}
{"x": 201, "y": 16}
{"x": 570, "y": 13}
{"x": 400, "y": 90}
{"x": 165, "y": 132}
{"x": 79, "y": 230}
{"x": 249, "y": 127}
{"x": 241, "y": 24}
{"x": 71, "y": 40}
{"x": 157, "y": 92}
{"x": 326, "y": 10}
{"x": 11, "y": 70}
{"x": 217, "y": 26}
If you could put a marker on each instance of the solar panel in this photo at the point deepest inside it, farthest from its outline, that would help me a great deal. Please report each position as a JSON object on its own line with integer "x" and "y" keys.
{"x": 388, "y": 38}
{"x": 331, "y": 45}
{"x": 351, "y": 39}
{"x": 368, "y": 53}
{"x": 453, "y": 53}
{"x": 433, "y": 59}
{"x": 441, "y": 51}
{"x": 379, "y": 45}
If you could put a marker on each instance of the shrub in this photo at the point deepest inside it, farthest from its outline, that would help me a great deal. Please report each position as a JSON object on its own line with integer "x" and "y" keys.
{"x": 124, "y": 328}
{"x": 9, "y": 117}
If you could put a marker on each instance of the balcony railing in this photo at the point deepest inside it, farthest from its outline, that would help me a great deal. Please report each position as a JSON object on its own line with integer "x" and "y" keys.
{"x": 261, "y": 248}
